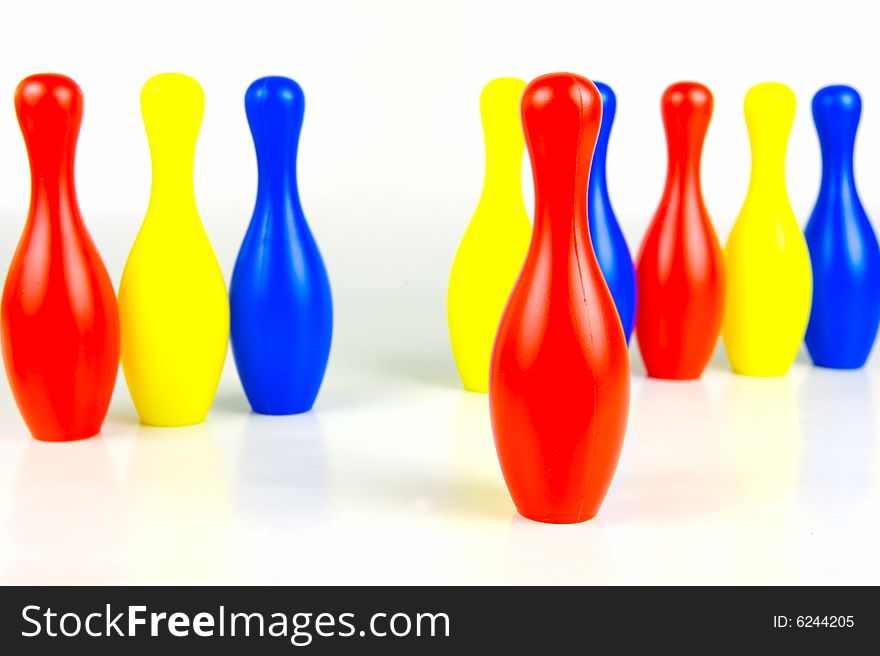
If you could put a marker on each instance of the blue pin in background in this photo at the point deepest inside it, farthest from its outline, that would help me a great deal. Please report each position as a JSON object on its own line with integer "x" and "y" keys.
{"x": 608, "y": 241}
{"x": 843, "y": 247}
{"x": 280, "y": 302}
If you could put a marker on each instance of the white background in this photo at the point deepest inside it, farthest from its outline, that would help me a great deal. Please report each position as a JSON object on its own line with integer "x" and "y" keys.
{"x": 393, "y": 477}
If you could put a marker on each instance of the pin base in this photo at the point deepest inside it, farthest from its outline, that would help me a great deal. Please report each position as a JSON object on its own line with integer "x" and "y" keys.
{"x": 550, "y": 517}
{"x": 675, "y": 376}
{"x": 840, "y": 365}
{"x": 67, "y": 437}
{"x": 173, "y": 423}
{"x": 281, "y": 412}
{"x": 761, "y": 373}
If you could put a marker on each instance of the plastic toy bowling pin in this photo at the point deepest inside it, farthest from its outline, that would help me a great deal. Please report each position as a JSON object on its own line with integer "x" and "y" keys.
{"x": 843, "y": 247}
{"x": 60, "y": 324}
{"x": 493, "y": 248}
{"x": 608, "y": 240}
{"x": 769, "y": 281}
{"x": 172, "y": 298}
{"x": 281, "y": 308}
{"x": 559, "y": 385}
{"x": 681, "y": 265}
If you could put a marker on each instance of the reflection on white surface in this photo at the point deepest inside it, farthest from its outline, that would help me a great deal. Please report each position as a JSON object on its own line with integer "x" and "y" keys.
{"x": 762, "y": 446}
{"x": 839, "y": 480}
{"x": 667, "y": 418}
{"x": 722, "y": 480}
{"x": 281, "y": 495}
{"x": 761, "y": 436}
{"x": 179, "y": 513}
{"x": 838, "y": 476}
{"x": 64, "y": 516}
{"x": 393, "y": 478}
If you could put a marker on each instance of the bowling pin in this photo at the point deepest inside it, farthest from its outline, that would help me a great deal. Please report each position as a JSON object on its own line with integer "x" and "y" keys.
{"x": 60, "y": 323}
{"x": 769, "y": 281}
{"x": 843, "y": 247}
{"x": 559, "y": 384}
{"x": 172, "y": 299}
{"x": 608, "y": 240}
{"x": 493, "y": 248}
{"x": 281, "y": 309}
{"x": 681, "y": 265}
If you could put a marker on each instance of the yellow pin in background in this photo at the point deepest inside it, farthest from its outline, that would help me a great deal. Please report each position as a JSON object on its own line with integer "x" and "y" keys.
{"x": 492, "y": 251}
{"x": 174, "y": 311}
{"x": 769, "y": 278}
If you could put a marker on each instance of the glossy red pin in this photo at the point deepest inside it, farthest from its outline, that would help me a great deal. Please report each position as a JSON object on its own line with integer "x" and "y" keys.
{"x": 559, "y": 383}
{"x": 681, "y": 266}
{"x": 60, "y": 324}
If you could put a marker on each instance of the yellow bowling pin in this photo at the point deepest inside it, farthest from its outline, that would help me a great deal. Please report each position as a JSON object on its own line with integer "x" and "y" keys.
{"x": 494, "y": 246}
{"x": 769, "y": 278}
{"x": 174, "y": 312}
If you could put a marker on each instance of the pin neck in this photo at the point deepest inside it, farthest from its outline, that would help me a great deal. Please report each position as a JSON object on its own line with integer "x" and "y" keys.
{"x": 503, "y": 173}
{"x": 278, "y": 189}
{"x": 837, "y": 165}
{"x": 277, "y": 185}
{"x": 561, "y": 218}
{"x": 685, "y": 134}
{"x": 173, "y": 168}
{"x": 275, "y": 177}
{"x": 561, "y": 198}
{"x": 768, "y": 174}
{"x": 768, "y": 143}
{"x": 598, "y": 186}
{"x": 683, "y": 173}
{"x": 53, "y": 192}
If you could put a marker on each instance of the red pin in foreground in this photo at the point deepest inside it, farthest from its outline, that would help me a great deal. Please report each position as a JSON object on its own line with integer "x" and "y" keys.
{"x": 60, "y": 324}
{"x": 559, "y": 384}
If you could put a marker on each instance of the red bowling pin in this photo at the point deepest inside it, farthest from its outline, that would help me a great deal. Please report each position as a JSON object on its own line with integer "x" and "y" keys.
{"x": 559, "y": 383}
{"x": 681, "y": 265}
{"x": 60, "y": 324}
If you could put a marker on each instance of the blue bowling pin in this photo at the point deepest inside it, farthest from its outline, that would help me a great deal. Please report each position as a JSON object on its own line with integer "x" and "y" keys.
{"x": 843, "y": 247}
{"x": 608, "y": 241}
{"x": 280, "y": 302}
